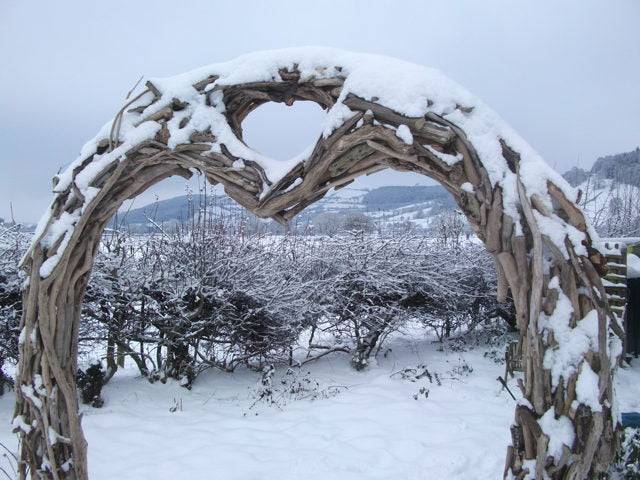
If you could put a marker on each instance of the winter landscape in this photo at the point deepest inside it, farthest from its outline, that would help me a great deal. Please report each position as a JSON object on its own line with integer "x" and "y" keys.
{"x": 308, "y": 262}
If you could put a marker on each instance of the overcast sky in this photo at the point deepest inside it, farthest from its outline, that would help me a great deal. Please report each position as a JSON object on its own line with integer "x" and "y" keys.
{"x": 565, "y": 74}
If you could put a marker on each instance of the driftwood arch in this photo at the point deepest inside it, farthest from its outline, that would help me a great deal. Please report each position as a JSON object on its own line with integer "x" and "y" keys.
{"x": 382, "y": 113}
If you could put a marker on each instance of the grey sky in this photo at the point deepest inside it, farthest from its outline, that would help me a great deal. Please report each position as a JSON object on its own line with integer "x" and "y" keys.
{"x": 565, "y": 74}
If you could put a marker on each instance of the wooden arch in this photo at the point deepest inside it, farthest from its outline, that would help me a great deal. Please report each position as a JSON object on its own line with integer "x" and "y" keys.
{"x": 381, "y": 113}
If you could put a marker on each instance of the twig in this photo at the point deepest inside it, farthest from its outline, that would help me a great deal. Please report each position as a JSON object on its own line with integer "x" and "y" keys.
{"x": 504, "y": 384}
{"x": 311, "y": 359}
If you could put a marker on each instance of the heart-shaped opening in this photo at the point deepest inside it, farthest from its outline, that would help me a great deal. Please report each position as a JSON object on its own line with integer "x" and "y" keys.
{"x": 282, "y": 132}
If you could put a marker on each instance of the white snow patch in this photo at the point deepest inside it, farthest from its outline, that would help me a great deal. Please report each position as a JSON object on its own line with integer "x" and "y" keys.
{"x": 336, "y": 116}
{"x": 450, "y": 160}
{"x": 39, "y": 385}
{"x": 559, "y": 430}
{"x": 28, "y": 392}
{"x": 404, "y": 134}
{"x": 238, "y": 164}
{"x": 55, "y": 437}
{"x": 633, "y": 266}
{"x": 18, "y": 422}
{"x": 374, "y": 429}
{"x": 467, "y": 187}
{"x": 587, "y": 391}
{"x": 89, "y": 194}
{"x": 557, "y": 230}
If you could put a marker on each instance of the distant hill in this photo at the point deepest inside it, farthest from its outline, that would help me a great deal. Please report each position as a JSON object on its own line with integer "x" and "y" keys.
{"x": 622, "y": 167}
{"x": 385, "y": 198}
{"x": 176, "y": 208}
{"x": 391, "y": 204}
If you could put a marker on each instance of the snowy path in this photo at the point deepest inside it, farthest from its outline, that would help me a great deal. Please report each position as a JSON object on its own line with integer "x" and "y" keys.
{"x": 375, "y": 429}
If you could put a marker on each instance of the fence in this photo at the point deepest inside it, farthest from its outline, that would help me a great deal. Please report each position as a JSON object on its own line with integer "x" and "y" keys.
{"x": 623, "y": 292}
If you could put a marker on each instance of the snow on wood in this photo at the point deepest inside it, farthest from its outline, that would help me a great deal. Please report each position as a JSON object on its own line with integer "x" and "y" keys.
{"x": 559, "y": 430}
{"x": 408, "y": 89}
{"x": 523, "y": 211}
{"x": 404, "y": 134}
{"x": 633, "y": 266}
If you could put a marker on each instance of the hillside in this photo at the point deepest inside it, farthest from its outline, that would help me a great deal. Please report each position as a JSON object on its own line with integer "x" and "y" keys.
{"x": 389, "y": 204}
{"x": 176, "y": 208}
{"x": 611, "y": 193}
{"x": 390, "y": 197}
{"x": 613, "y": 207}
{"x": 623, "y": 167}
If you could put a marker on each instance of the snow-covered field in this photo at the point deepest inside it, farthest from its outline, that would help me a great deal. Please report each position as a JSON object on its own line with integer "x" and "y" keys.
{"x": 362, "y": 425}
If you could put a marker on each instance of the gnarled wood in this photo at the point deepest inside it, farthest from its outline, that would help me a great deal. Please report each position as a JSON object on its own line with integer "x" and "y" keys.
{"x": 364, "y": 143}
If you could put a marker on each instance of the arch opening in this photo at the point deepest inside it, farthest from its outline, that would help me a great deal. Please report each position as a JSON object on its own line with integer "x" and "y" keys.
{"x": 525, "y": 215}
{"x": 99, "y": 455}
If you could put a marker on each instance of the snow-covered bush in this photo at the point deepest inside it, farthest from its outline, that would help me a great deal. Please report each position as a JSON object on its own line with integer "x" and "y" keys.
{"x": 13, "y": 244}
{"x": 243, "y": 301}
{"x": 612, "y": 204}
{"x": 363, "y": 293}
{"x": 116, "y": 299}
{"x": 455, "y": 289}
{"x": 448, "y": 227}
{"x": 627, "y": 464}
{"x": 204, "y": 295}
{"x": 374, "y": 285}
{"x": 358, "y": 222}
{"x": 90, "y": 384}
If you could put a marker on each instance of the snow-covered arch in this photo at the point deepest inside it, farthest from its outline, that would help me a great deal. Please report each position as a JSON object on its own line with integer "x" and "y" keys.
{"x": 381, "y": 113}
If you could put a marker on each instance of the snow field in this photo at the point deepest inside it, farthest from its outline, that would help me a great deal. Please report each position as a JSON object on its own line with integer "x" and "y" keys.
{"x": 374, "y": 428}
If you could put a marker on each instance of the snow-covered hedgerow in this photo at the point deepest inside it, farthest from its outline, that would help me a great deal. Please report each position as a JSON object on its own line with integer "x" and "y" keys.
{"x": 206, "y": 295}
{"x": 179, "y": 303}
{"x": 379, "y": 284}
{"x": 627, "y": 464}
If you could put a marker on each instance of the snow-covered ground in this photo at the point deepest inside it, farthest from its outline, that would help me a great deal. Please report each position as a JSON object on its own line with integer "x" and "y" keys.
{"x": 363, "y": 425}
